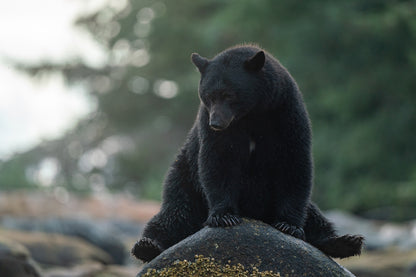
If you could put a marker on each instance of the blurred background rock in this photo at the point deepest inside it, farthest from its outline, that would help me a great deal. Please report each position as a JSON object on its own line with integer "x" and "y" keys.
{"x": 96, "y": 97}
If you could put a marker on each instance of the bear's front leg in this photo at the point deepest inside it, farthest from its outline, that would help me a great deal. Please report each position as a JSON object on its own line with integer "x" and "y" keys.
{"x": 293, "y": 189}
{"x": 220, "y": 173}
{"x": 222, "y": 218}
{"x": 291, "y": 210}
{"x": 222, "y": 201}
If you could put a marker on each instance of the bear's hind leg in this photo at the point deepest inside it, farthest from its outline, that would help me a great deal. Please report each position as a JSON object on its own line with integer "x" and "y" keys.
{"x": 321, "y": 233}
{"x": 172, "y": 224}
{"x": 341, "y": 246}
{"x": 182, "y": 213}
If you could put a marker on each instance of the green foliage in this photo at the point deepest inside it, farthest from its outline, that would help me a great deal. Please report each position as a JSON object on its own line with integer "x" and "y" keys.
{"x": 354, "y": 61}
{"x": 12, "y": 177}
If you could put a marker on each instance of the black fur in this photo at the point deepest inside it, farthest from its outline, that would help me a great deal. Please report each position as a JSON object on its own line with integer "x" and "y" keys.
{"x": 247, "y": 155}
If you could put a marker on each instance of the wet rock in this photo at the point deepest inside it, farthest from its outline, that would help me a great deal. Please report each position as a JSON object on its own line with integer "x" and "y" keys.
{"x": 107, "y": 235}
{"x": 385, "y": 263}
{"x": 57, "y": 250}
{"x": 379, "y": 235}
{"x": 411, "y": 269}
{"x": 89, "y": 269}
{"x": 92, "y": 270}
{"x": 118, "y": 271}
{"x": 250, "y": 246}
{"x": 15, "y": 260}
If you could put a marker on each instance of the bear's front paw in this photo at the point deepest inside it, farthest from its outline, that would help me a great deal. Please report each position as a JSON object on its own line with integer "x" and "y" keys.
{"x": 292, "y": 230}
{"x": 225, "y": 220}
{"x": 146, "y": 249}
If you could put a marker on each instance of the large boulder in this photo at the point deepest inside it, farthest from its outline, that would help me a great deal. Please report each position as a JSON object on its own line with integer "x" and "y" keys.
{"x": 250, "y": 247}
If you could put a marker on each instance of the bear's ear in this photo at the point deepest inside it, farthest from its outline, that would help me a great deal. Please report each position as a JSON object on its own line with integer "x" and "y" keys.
{"x": 256, "y": 62}
{"x": 200, "y": 62}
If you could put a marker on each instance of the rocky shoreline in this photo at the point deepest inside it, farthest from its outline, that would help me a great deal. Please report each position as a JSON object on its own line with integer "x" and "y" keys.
{"x": 44, "y": 235}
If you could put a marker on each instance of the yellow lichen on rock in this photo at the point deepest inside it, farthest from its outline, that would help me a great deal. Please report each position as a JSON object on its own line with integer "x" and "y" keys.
{"x": 203, "y": 266}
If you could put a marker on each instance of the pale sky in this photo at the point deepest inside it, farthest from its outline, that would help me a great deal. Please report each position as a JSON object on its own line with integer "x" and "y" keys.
{"x": 31, "y": 31}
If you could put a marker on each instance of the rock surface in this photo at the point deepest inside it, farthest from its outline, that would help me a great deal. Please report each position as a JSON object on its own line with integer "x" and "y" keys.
{"x": 249, "y": 246}
{"x": 57, "y": 250}
{"x": 92, "y": 270}
{"x": 15, "y": 260}
{"x": 386, "y": 263}
{"x": 390, "y": 247}
{"x": 379, "y": 235}
{"x": 107, "y": 235}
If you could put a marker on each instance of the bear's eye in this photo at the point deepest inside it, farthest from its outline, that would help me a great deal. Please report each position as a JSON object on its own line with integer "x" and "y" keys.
{"x": 206, "y": 99}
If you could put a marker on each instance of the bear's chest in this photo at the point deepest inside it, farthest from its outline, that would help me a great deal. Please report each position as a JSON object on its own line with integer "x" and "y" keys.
{"x": 263, "y": 155}
{"x": 251, "y": 146}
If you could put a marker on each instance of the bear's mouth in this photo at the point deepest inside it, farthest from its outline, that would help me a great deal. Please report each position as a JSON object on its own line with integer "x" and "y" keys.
{"x": 220, "y": 125}
{"x": 216, "y": 128}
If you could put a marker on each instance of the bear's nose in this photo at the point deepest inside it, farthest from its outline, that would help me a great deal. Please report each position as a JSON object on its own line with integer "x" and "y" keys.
{"x": 215, "y": 125}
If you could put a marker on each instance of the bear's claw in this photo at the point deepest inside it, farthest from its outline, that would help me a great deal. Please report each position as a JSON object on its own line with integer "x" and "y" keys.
{"x": 226, "y": 220}
{"x": 292, "y": 230}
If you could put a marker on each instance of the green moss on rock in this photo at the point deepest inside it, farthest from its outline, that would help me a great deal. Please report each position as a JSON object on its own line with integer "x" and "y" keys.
{"x": 203, "y": 266}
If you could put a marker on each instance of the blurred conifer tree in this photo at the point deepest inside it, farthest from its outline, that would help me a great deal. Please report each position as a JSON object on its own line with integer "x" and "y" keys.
{"x": 354, "y": 61}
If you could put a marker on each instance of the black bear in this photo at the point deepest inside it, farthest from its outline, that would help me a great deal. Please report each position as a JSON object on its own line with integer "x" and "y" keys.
{"x": 247, "y": 155}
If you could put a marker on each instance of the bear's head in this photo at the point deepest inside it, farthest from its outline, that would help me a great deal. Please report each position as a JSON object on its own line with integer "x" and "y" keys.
{"x": 231, "y": 84}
